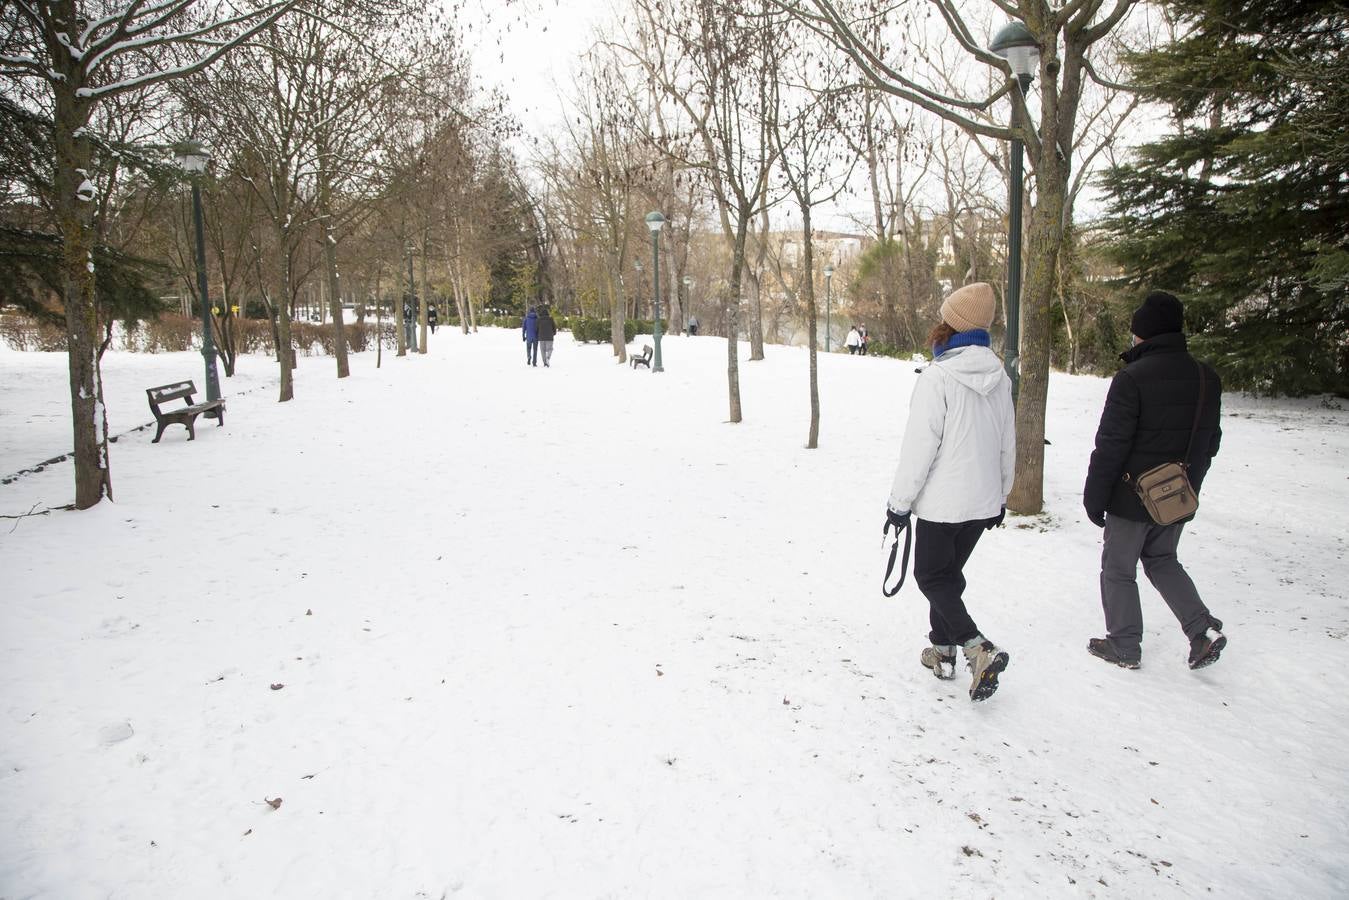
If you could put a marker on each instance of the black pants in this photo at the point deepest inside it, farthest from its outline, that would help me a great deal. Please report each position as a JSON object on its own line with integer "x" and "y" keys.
{"x": 938, "y": 564}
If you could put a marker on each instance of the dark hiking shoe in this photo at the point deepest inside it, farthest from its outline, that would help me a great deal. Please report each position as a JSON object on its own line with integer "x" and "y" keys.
{"x": 1205, "y": 649}
{"x": 986, "y": 662}
{"x": 941, "y": 659}
{"x": 1101, "y": 648}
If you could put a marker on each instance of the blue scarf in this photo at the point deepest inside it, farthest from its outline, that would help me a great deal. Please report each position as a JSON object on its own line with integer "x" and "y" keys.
{"x": 975, "y": 338}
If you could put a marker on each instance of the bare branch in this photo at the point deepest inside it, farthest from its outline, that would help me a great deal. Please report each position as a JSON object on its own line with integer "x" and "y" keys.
{"x": 1106, "y": 82}
{"x": 273, "y": 12}
{"x": 1105, "y": 26}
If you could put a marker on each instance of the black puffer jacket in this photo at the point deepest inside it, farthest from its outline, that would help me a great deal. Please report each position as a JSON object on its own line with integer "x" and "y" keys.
{"x": 1148, "y": 415}
{"x": 547, "y": 327}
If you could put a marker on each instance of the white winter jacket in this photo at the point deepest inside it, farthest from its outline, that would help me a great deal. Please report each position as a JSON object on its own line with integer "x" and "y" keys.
{"x": 959, "y": 448}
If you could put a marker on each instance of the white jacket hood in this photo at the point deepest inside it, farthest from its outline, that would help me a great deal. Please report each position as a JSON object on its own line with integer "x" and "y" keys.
{"x": 977, "y": 368}
{"x": 959, "y": 450}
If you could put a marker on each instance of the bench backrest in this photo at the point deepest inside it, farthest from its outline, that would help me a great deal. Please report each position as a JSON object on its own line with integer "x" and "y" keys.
{"x": 166, "y": 392}
{"x": 646, "y": 351}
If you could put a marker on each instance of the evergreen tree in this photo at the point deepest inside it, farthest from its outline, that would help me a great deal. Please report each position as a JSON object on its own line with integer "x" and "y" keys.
{"x": 1243, "y": 210}
{"x": 30, "y": 249}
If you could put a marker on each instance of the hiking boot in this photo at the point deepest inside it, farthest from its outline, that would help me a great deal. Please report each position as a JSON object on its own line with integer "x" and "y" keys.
{"x": 941, "y": 659}
{"x": 1101, "y": 648}
{"x": 986, "y": 662}
{"x": 1205, "y": 649}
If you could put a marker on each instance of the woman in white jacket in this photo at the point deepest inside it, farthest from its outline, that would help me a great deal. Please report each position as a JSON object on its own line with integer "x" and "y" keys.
{"x": 955, "y": 470}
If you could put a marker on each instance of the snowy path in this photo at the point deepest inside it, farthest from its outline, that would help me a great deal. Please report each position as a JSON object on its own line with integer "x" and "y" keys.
{"x": 574, "y": 636}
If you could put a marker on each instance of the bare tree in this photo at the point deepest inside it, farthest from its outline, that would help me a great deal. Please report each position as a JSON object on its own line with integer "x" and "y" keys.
{"x": 1066, "y": 36}
{"x": 804, "y": 125}
{"x": 70, "y": 47}
{"x": 710, "y": 62}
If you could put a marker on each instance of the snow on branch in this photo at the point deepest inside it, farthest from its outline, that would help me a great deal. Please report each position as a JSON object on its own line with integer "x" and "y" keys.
{"x": 130, "y": 36}
{"x": 256, "y": 20}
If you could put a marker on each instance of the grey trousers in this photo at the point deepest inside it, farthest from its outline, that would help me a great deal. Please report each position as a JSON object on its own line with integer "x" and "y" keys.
{"x": 1127, "y": 542}
{"x": 547, "y": 347}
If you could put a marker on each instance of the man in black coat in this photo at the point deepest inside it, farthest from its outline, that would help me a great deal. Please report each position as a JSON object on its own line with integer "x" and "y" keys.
{"x": 547, "y": 331}
{"x": 1154, "y": 413}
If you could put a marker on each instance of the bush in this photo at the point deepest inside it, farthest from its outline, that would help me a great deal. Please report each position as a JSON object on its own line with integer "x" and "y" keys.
{"x": 24, "y": 334}
{"x": 597, "y": 330}
{"x": 880, "y": 348}
{"x": 586, "y": 330}
{"x": 168, "y": 334}
{"x": 253, "y": 335}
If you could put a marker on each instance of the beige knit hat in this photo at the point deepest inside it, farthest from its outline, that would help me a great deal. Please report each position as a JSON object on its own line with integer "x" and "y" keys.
{"x": 969, "y": 307}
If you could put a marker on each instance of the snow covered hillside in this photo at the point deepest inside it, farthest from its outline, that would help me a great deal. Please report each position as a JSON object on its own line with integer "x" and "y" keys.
{"x": 485, "y": 630}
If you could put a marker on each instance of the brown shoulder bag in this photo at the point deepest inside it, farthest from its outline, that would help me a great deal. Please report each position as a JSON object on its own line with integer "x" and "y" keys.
{"x": 1165, "y": 490}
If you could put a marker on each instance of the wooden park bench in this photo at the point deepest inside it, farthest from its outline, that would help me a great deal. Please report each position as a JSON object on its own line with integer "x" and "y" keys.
{"x": 184, "y": 414}
{"x": 644, "y": 359}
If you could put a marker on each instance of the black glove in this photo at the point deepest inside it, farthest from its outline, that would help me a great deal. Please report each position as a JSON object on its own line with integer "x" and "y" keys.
{"x": 1097, "y": 517}
{"x": 996, "y": 521}
{"x": 899, "y": 520}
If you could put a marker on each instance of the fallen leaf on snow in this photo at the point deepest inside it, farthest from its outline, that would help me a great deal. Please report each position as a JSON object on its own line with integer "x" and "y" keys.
{"x": 278, "y": 686}
{"x": 274, "y": 804}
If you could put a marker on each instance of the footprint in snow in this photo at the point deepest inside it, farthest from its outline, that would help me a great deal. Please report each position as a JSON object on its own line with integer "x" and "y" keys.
{"x": 115, "y": 733}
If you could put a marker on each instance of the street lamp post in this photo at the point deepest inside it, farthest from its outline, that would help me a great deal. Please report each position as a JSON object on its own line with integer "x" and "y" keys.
{"x": 192, "y": 157}
{"x": 1018, "y": 46}
{"x": 654, "y": 221}
{"x": 828, "y": 298}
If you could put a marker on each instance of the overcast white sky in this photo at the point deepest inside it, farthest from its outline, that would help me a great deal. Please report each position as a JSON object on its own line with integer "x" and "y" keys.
{"x": 530, "y": 48}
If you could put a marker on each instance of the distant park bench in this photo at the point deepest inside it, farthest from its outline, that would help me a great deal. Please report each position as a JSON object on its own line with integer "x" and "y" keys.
{"x": 644, "y": 359}
{"x": 184, "y": 414}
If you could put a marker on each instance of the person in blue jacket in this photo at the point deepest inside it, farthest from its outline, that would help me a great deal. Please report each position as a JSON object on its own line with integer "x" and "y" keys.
{"x": 531, "y": 337}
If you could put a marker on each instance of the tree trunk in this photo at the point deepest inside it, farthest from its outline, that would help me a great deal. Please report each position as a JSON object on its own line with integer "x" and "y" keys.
{"x": 285, "y": 345}
{"x": 733, "y": 318}
{"x": 424, "y": 297}
{"x": 73, "y": 206}
{"x": 400, "y": 326}
{"x": 617, "y": 306}
{"x": 812, "y": 325}
{"x": 460, "y": 302}
{"x": 225, "y": 332}
{"x": 756, "y": 304}
{"x": 330, "y": 268}
{"x": 1042, "y": 245}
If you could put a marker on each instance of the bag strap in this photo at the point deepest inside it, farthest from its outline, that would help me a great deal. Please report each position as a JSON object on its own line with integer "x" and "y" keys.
{"x": 1198, "y": 407}
{"x": 894, "y": 551}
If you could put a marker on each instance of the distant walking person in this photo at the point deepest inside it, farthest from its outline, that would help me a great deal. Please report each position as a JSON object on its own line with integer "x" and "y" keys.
{"x": 531, "y": 337}
{"x": 432, "y": 318}
{"x": 1163, "y": 406}
{"x": 547, "y": 331}
{"x": 955, "y": 470}
{"x": 693, "y": 326}
{"x": 853, "y": 341}
{"x": 863, "y": 339}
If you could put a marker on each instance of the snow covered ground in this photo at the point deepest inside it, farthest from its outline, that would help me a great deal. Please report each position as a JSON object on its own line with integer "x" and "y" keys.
{"x": 494, "y": 631}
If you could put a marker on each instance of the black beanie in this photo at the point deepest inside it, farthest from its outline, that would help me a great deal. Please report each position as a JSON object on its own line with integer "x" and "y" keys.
{"x": 1161, "y": 313}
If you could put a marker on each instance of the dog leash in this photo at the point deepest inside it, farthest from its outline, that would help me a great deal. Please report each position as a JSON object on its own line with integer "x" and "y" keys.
{"x": 894, "y": 552}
